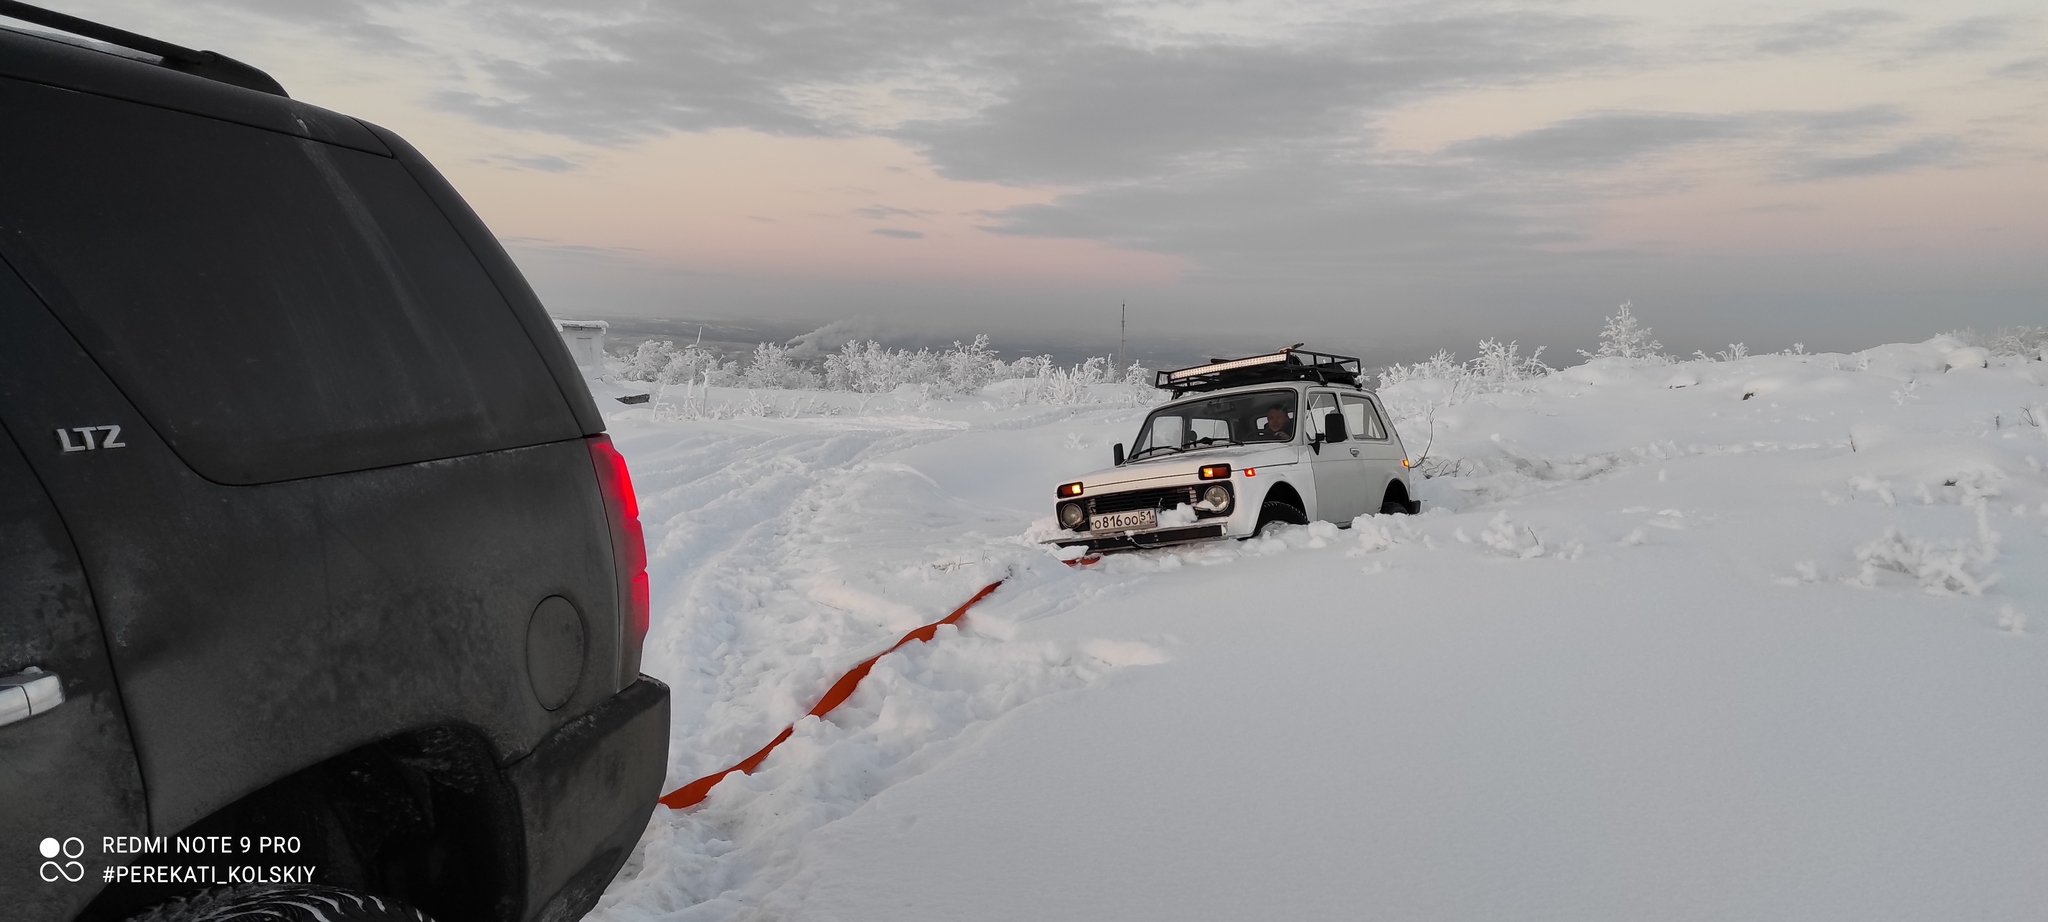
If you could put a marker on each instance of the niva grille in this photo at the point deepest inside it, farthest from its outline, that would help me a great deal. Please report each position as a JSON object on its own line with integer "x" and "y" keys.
{"x": 1165, "y": 498}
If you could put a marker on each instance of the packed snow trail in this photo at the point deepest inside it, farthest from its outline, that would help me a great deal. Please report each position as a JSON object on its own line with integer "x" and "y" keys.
{"x": 782, "y": 552}
{"x": 1748, "y": 639}
{"x": 692, "y": 794}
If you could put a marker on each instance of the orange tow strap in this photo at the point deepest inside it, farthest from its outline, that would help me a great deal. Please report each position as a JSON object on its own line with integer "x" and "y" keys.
{"x": 691, "y": 794}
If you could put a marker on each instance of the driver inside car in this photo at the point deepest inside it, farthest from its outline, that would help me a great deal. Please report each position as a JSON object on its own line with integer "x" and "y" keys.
{"x": 1276, "y": 425}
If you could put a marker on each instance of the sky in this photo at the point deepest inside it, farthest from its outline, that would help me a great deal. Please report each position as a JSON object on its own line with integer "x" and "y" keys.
{"x": 1380, "y": 177}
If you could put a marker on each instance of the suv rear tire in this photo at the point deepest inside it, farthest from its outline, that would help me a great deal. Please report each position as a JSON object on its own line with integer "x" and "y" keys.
{"x": 1273, "y": 511}
{"x": 287, "y": 903}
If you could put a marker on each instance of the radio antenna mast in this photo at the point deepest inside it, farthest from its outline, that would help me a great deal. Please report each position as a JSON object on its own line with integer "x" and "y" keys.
{"x": 1121, "y": 357}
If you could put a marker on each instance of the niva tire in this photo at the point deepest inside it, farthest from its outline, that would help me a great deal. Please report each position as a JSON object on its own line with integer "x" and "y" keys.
{"x": 288, "y": 903}
{"x": 1282, "y": 513}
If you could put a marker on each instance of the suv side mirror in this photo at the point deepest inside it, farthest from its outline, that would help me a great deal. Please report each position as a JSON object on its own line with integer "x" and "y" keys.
{"x": 1334, "y": 429}
{"x": 1117, "y": 454}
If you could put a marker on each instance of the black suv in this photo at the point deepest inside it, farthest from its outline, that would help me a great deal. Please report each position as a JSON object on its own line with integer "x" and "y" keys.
{"x": 318, "y": 576}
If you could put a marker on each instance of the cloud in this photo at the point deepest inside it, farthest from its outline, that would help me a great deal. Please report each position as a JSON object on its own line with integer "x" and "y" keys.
{"x": 544, "y": 248}
{"x": 1603, "y": 139}
{"x": 546, "y": 163}
{"x": 1113, "y": 112}
{"x": 1490, "y": 213}
{"x": 1912, "y": 155}
{"x": 617, "y": 71}
{"x": 2024, "y": 68}
{"x": 1251, "y": 151}
{"x": 1314, "y": 220}
{"x": 1823, "y": 31}
{"x": 1244, "y": 138}
{"x": 1847, "y": 124}
{"x": 1021, "y": 92}
{"x": 1973, "y": 34}
{"x": 882, "y": 212}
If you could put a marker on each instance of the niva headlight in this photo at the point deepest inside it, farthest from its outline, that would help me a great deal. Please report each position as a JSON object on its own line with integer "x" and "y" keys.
{"x": 1215, "y": 500}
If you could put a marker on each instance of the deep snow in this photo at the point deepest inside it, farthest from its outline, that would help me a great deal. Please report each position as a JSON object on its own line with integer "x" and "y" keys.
{"x": 1655, "y": 650}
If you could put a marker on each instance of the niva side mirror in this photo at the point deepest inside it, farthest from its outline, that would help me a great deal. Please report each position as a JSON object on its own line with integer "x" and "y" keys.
{"x": 1117, "y": 455}
{"x": 1334, "y": 427}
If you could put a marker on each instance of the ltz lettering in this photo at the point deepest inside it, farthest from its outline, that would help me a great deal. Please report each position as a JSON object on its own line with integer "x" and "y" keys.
{"x": 89, "y": 438}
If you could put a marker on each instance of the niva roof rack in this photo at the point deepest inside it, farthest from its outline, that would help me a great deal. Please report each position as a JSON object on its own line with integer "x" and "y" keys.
{"x": 211, "y": 65}
{"x": 1290, "y": 364}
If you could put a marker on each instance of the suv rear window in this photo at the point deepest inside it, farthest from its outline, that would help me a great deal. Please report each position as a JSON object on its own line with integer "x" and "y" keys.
{"x": 276, "y": 307}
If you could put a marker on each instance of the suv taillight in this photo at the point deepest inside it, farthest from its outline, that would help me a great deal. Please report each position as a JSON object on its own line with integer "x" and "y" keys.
{"x": 629, "y": 551}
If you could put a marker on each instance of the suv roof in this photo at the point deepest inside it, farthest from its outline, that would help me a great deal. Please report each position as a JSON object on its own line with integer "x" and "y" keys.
{"x": 1290, "y": 364}
{"x": 211, "y": 65}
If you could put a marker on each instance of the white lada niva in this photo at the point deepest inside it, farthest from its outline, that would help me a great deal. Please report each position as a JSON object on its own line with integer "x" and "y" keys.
{"x": 1290, "y": 436}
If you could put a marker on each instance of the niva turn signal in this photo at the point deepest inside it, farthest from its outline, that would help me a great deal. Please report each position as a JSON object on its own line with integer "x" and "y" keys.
{"x": 1070, "y": 489}
{"x": 1215, "y": 471}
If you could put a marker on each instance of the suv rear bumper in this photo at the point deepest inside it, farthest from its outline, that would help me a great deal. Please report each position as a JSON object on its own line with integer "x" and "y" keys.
{"x": 585, "y": 794}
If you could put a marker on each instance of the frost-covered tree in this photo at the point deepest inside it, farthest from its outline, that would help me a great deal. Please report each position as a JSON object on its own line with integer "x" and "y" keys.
{"x": 1442, "y": 366}
{"x": 2024, "y": 342}
{"x": 1625, "y": 337}
{"x": 644, "y": 363}
{"x": 1500, "y": 364}
{"x": 660, "y": 362}
{"x": 970, "y": 366}
{"x": 868, "y": 367}
{"x": 859, "y": 367}
{"x": 872, "y": 368}
{"x": 771, "y": 366}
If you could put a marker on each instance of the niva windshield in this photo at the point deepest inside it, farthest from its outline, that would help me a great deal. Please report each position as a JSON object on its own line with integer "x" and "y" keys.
{"x": 1234, "y": 419}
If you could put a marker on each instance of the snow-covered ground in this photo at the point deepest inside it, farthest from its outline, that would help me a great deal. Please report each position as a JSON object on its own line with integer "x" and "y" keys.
{"x": 1756, "y": 639}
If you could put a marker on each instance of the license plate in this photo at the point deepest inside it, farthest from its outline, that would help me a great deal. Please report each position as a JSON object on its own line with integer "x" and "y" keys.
{"x": 1124, "y": 521}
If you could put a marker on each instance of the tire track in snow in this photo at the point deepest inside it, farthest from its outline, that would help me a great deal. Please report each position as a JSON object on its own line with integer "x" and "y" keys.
{"x": 720, "y": 505}
{"x": 779, "y": 554}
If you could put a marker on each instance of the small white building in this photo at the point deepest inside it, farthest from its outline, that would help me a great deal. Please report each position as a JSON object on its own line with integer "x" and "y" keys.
{"x": 585, "y": 339}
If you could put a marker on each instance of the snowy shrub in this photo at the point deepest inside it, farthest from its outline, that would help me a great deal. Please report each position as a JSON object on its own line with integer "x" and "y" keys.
{"x": 644, "y": 363}
{"x": 868, "y": 367}
{"x": 2020, "y": 342}
{"x": 1956, "y": 567}
{"x": 970, "y": 367}
{"x": 1441, "y": 366}
{"x": 1092, "y": 381}
{"x": 771, "y": 367}
{"x": 1498, "y": 367}
{"x": 1068, "y": 386}
{"x": 1623, "y": 337}
{"x": 660, "y": 362}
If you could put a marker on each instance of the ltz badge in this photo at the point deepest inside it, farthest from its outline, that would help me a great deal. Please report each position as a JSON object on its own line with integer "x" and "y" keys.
{"x": 90, "y": 438}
